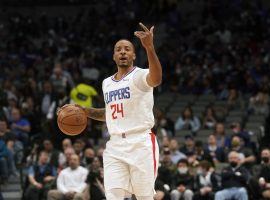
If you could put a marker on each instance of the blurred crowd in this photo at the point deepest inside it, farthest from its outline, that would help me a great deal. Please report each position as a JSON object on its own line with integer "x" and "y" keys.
{"x": 47, "y": 61}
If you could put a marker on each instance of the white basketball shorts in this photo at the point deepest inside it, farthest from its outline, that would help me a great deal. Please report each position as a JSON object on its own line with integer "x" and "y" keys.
{"x": 131, "y": 162}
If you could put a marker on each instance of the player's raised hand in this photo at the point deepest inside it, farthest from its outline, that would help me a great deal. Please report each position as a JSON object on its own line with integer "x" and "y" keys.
{"x": 146, "y": 36}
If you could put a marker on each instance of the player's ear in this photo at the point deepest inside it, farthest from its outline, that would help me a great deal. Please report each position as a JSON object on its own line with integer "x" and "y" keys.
{"x": 134, "y": 56}
{"x": 114, "y": 57}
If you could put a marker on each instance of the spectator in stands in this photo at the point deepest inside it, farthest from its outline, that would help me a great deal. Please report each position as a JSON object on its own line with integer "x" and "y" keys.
{"x": 217, "y": 153}
{"x": 258, "y": 104}
{"x": 33, "y": 155}
{"x": 222, "y": 140}
{"x": 189, "y": 146}
{"x": 162, "y": 192}
{"x": 60, "y": 99}
{"x": 96, "y": 164}
{"x": 88, "y": 157}
{"x": 46, "y": 98}
{"x": 20, "y": 126}
{"x": 237, "y": 130}
{"x": 78, "y": 147}
{"x": 188, "y": 121}
{"x": 233, "y": 100}
{"x": 3, "y": 161}
{"x": 166, "y": 169}
{"x": 206, "y": 182}
{"x": 95, "y": 184}
{"x": 52, "y": 152}
{"x": 164, "y": 124}
{"x": 8, "y": 137}
{"x": 70, "y": 182}
{"x": 247, "y": 157}
{"x": 60, "y": 79}
{"x": 100, "y": 153}
{"x": 183, "y": 182}
{"x": 260, "y": 183}
{"x": 40, "y": 178}
{"x": 176, "y": 155}
{"x": 66, "y": 143}
{"x": 30, "y": 112}
{"x": 12, "y": 103}
{"x": 165, "y": 142}
{"x": 234, "y": 180}
{"x": 201, "y": 154}
{"x": 192, "y": 162}
{"x": 5, "y": 133}
{"x": 68, "y": 153}
{"x": 209, "y": 118}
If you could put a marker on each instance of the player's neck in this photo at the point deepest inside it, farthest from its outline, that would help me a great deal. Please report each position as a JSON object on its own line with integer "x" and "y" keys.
{"x": 123, "y": 71}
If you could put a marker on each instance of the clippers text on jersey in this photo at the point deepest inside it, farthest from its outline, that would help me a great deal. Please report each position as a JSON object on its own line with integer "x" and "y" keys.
{"x": 115, "y": 95}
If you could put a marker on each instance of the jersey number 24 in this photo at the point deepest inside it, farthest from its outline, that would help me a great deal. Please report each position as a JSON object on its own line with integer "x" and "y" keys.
{"x": 117, "y": 110}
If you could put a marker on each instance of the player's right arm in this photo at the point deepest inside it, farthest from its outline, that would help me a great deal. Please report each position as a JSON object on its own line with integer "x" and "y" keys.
{"x": 96, "y": 113}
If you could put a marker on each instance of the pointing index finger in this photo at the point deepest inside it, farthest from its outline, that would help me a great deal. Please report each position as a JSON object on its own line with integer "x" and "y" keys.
{"x": 144, "y": 27}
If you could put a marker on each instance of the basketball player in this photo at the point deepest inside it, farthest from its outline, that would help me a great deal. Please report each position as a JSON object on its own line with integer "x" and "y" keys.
{"x": 131, "y": 154}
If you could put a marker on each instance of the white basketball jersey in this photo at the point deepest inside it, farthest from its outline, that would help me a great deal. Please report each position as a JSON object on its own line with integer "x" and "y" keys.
{"x": 128, "y": 109}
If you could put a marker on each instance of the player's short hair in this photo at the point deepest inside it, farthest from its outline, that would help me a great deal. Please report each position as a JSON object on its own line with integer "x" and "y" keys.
{"x": 124, "y": 39}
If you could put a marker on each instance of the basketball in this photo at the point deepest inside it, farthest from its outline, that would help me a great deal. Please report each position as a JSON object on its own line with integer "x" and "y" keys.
{"x": 72, "y": 120}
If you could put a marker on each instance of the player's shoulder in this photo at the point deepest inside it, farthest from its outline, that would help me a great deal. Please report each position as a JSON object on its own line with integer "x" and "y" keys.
{"x": 107, "y": 80}
{"x": 139, "y": 69}
{"x": 139, "y": 72}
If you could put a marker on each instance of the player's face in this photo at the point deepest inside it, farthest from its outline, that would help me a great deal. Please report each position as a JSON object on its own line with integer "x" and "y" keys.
{"x": 124, "y": 54}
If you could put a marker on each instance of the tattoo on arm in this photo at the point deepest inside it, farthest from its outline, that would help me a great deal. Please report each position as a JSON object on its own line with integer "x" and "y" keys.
{"x": 96, "y": 114}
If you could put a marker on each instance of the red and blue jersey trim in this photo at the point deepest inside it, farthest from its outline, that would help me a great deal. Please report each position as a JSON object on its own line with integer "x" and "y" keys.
{"x": 123, "y": 76}
{"x": 153, "y": 140}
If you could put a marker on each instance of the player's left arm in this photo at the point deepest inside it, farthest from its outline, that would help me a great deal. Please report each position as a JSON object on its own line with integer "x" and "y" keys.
{"x": 154, "y": 78}
{"x": 98, "y": 114}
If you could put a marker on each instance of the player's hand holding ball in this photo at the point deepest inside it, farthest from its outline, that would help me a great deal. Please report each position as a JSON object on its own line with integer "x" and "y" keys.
{"x": 71, "y": 119}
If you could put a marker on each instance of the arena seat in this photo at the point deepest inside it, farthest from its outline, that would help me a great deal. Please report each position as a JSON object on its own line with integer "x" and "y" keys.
{"x": 207, "y": 97}
{"x": 205, "y": 132}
